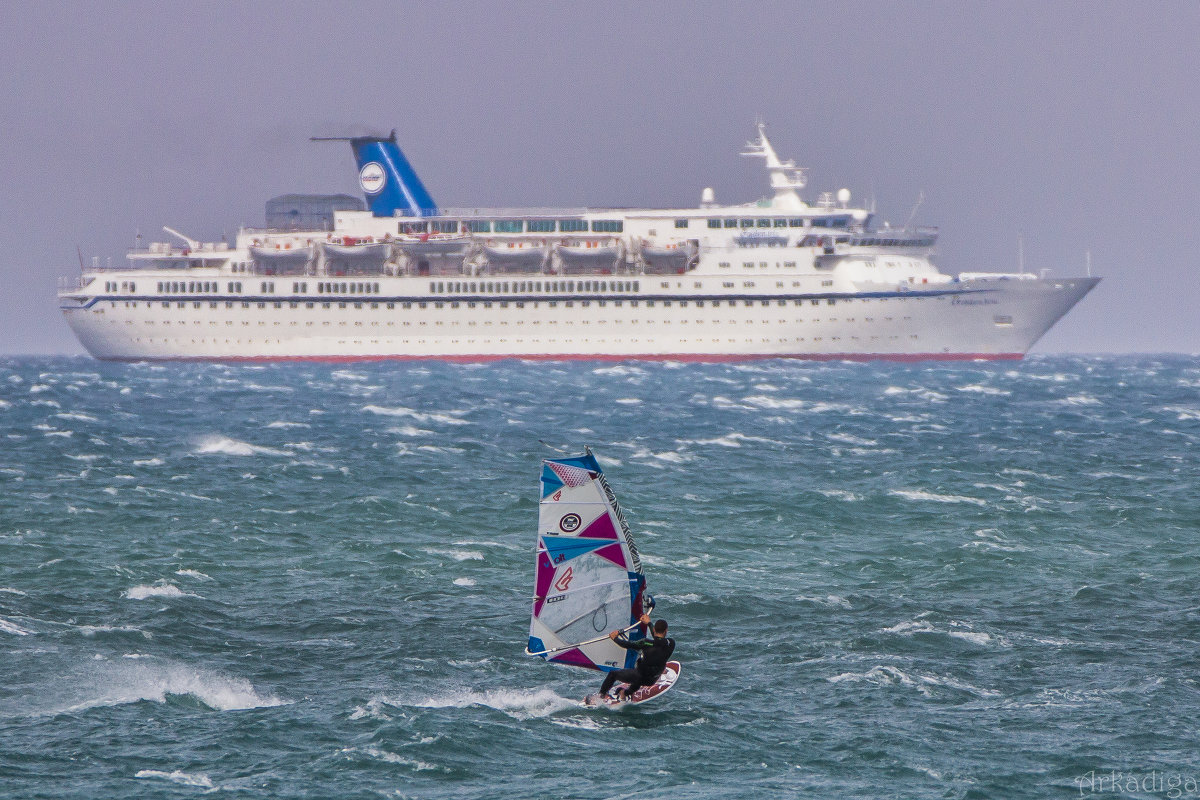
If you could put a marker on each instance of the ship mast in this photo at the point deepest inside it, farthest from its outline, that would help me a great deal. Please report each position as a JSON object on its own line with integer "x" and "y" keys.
{"x": 786, "y": 178}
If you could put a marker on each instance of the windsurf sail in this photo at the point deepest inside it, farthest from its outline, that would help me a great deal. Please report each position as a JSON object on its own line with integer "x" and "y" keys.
{"x": 588, "y": 578}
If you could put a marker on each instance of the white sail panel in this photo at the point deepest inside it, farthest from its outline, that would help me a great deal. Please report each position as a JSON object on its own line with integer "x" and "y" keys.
{"x": 588, "y": 579}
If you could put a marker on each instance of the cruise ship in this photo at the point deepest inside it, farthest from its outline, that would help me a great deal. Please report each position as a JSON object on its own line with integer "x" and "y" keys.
{"x": 404, "y": 279}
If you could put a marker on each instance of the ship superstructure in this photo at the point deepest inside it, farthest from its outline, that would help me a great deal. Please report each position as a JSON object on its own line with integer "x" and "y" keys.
{"x": 779, "y": 277}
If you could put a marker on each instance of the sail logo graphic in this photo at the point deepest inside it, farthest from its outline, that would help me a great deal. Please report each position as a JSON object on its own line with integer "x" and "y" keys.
{"x": 569, "y": 523}
{"x": 563, "y": 583}
{"x": 372, "y": 178}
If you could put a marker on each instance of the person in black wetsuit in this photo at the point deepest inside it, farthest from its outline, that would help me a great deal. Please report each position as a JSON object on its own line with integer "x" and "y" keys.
{"x": 653, "y": 654}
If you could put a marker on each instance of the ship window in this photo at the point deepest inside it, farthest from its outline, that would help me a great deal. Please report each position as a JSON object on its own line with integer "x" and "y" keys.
{"x": 731, "y": 223}
{"x": 406, "y": 305}
{"x": 470, "y": 305}
{"x": 635, "y": 286}
{"x": 795, "y": 223}
{"x": 422, "y": 305}
{"x": 780, "y": 223}
{"x": 479, "y": 226}
{"x": 541, "y": 225}
{"x": 747, "y": 223}
{"x": 414, "y": 227}
{"x": 376, "y": 285}
{"x": 714, "y": 223}
{"x": 607, "y": 226}
{"x": 681, "y": 223}
{"x": 509, "y": 226}
{"x": 585, "y": 303}
{"x": 445, "y": 226}
{"x": 570, "y": 286}
{"x": 454, "y": 304}
{"x": 472, "y": 287}
{"x": 504, "y": 304}
{"x": 487, "y": 304}
{"x": 764, "y": 223}
{"x": 831, "y": 301}
{"x": 438, "y": 305}
{"x": 748, "y": 302}
{"x": 520, "y": 304}
{"x": 572, "y": 225}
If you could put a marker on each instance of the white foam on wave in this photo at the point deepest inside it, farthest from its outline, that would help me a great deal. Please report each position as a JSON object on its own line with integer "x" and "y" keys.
{"x": 1079, "y": 400}
{"x": 448, "y": 417}
{"x": 464, "y": 581}
{"x": 763, "y": 401}
{"x": 846, "y": 438}
{"x": 457, "y": 555}
{"x": 216, "y": 444}
{"x": 619, "y": 369}
{"x": 389, "y": 757}
{"x": 979, "y": 388}
{"x": 887, "y": 675}
{"x": 10, "y": 590}
{"x": 921, "y": 495}
{"x": 282, "y": 424}
{"x": 4, "y": 403}
{"x": 158, "y": 590}
{"x": 76, "y": 415}
{"x": 196, "y": 779}
{"x": 829, "y": 600}
{"x": 628, "y": 401}
{"x": 114, "y": 683}
{"x": 191, "y": 573}
{"x": 92, "y": 630}
{"x": 519, "y": 703}
{"x": 840, "y": 494}
{"x": 956, "y": 630}
{"x": 1184, "y": 412}
{"x": 12, "y": 628}
{"x": 410, "y": 430}
{"x": 148, "y": 462}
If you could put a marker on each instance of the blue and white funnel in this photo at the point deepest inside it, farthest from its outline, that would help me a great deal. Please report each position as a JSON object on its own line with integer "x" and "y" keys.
{"x": 388, "y": 180}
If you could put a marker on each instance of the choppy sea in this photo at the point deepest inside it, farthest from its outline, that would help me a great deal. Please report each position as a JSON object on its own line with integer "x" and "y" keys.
{"x": 313, "y": 581}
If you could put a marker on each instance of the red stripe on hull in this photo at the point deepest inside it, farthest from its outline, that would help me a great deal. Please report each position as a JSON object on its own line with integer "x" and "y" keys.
{"x": 687, "y": 357}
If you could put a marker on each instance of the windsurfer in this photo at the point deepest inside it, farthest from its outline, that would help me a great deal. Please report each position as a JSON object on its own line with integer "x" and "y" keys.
{"x": 653, "y": 654}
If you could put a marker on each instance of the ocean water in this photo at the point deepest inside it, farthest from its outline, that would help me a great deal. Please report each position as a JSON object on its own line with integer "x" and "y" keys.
{"x": 308, "y": 581}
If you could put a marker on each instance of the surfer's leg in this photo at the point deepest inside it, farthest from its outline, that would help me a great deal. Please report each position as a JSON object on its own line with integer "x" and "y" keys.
{"x": 623, "y": 675}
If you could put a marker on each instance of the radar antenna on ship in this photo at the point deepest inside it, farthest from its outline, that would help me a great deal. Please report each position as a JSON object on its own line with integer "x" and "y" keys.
{"x": 786, "y": 178}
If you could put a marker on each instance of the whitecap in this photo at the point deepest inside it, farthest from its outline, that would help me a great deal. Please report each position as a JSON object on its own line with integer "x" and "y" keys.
{"x": 410, "y": 430}
{"x": 457, "y": 555}
{"x": 280, "y": 424}
{"x": 216, "y": 444}
{"x": 197, "y": 779}
{"x": 846, "y": 438}
{"x": 191, "y": 573}
{"x": 921, "y": 494}
{"x": 840, "y": 494}
{"x": 148, "y": 462}
{"x": 1079, "y": 400}
{"x": 829, "y": 600}
{"x": 157, "y": 590}
{"x": 979, "y": 388}
{"x": 76, "y": 415}
{"x": 395, "y": 758}
{"x": 12, "y": 628}
{"x": 464, "y": 581}
{"x": 447, "y": 417}
{"x": 148, "y": 679}
{"x": 519, "y": 703}
{"x": 628, "y": 401}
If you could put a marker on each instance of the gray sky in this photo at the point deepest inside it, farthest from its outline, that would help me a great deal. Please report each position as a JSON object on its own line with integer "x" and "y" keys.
{"x": 1074, "y": 125}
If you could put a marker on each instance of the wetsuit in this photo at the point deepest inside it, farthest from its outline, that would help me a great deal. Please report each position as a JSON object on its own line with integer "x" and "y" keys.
{"x": 653, "y": 654}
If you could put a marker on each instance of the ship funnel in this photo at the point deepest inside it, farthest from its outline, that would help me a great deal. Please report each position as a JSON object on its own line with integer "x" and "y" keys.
{"x": 387, "y": 179}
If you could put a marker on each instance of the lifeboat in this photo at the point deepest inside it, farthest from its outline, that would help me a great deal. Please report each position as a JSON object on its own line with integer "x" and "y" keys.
{"x": 514, "y": 257}
{"x": 282, "y": 259}
{"x": 355, "y": 257}
{"x": 435, "y": 255}
{"x": 581, "y": 257}
{"x": 665, "y": 259}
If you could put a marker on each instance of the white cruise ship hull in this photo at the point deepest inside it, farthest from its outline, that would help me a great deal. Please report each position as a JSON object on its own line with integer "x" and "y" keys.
{"x": 992, "y": 319}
